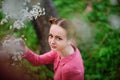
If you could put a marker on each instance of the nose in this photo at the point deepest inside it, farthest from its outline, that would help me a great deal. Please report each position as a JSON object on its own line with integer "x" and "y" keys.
{"x": 52, "y": 41}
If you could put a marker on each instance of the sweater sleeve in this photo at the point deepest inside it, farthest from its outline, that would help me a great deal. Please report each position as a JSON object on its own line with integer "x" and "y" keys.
{"x": 37, "y": 60}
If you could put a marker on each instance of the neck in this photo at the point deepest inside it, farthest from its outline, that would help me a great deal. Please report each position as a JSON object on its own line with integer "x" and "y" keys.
{"x": 67, "y": 51}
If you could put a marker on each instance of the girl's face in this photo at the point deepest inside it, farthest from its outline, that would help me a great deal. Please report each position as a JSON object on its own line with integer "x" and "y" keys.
{"x": 57, "y": 38}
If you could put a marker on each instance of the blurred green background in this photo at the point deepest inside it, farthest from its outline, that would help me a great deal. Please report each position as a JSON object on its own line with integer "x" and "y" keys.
{"x": 100, "y": 48}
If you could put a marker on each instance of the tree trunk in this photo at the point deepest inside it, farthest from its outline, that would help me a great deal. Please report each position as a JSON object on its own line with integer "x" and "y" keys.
{"x": 42, "y": 25}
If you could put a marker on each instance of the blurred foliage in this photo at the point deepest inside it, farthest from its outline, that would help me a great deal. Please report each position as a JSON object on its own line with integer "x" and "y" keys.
{"x": 28, "y": 34}
{"x": 4, "y": 29}
{"x": 67, "y": 8}
{"x": 101, "y": 59}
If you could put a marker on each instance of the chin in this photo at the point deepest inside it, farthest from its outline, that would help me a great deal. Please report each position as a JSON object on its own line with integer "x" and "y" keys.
{"x": 54, "y": 49}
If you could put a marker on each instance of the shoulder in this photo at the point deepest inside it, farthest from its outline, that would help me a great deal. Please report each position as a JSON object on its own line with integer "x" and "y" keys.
{"x": 75, "y": 67}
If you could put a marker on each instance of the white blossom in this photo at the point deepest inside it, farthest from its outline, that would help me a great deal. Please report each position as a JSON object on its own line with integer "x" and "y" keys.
{"x": 14, "y": 48}
{"x": 28, "y": 1}
{"x": 37, "y": 11}
{"x": 21, "y": 12}
{"x": 3, "y": 21}
{"x": 18, "y": 24}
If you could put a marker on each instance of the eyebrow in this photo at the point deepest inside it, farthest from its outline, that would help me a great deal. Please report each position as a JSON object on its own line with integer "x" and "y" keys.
{"x": 55, "y": 36}
{"x": 49, "y": 34}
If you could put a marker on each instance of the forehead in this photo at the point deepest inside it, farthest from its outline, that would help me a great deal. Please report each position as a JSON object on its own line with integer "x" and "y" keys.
{"x": 57, "y": 30}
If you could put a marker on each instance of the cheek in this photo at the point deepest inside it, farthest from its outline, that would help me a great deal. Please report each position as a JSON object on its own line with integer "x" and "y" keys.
{"x": 62, "y": 44}
{"x": 48, "y": 41}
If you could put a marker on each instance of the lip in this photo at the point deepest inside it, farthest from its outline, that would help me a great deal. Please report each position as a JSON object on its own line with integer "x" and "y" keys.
{"x": 53, "y": 46}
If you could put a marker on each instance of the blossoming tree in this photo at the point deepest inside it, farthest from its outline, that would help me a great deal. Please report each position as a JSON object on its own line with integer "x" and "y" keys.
{"x": 17, "y": 12}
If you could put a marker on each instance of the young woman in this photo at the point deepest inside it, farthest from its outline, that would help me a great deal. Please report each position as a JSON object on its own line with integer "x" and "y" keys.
{"x": 64, "y": 55}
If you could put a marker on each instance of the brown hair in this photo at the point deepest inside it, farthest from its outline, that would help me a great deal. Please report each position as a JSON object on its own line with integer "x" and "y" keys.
{"x": 68, "y": 26}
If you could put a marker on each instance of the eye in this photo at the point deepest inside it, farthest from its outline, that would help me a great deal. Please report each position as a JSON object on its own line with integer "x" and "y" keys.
{"x": 50, "y": 36}
{"x": 59, "y": 38}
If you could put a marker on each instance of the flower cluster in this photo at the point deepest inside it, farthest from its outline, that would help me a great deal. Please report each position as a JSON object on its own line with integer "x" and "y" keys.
{"x": 14, "y": 48}
{"x": 25, "y": 13}
{"x": 34, "y": 12}
{"x": 37, "y": 11}
{"x": 18, "y": 24}
{"x": 5, "y": 20}
{"x": 18, "y": 14}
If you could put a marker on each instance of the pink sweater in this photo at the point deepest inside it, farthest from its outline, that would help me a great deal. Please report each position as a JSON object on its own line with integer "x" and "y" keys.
{"x": 69, "y": 68}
